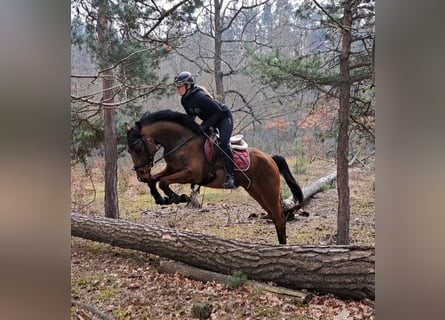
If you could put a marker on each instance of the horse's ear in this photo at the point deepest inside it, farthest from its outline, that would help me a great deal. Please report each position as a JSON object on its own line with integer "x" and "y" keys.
{"x": 127, "y": 127}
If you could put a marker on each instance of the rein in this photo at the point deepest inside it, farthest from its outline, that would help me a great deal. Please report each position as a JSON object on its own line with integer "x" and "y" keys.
{"x": 143, "y": 164}
{"x": 151, "y": 163}
{"x": 174, "y": 149}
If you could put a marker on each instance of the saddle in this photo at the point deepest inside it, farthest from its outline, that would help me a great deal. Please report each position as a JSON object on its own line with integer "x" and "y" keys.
{"x": 240, "y": 150}
{"x": 237, "y": 142}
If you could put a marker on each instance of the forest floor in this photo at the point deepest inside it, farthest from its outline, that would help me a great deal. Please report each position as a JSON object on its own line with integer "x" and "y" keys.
{"x": 125, "y": 284}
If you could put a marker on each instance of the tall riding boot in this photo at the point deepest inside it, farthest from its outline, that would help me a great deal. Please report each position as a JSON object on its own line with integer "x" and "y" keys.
{"x": 229, "y": 182}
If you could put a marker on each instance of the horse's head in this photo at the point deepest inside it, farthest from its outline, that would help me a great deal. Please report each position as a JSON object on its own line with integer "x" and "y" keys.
{"x": 142, "y": 151}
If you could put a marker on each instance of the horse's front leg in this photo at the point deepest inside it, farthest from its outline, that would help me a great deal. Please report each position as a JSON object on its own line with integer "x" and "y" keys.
{"x": 181, "y": 177}
{"x": 154, "y": 191}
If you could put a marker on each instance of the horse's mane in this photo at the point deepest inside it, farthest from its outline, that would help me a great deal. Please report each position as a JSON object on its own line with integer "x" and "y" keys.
{"x": 168, "y": 115}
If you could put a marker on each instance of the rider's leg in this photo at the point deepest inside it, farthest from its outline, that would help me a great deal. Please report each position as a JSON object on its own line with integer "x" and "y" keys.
{"x": 225, "y": 131}
{"x": 229, "y": 182}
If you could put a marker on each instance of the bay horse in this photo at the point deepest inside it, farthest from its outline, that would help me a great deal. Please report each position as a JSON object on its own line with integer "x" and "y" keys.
{"x": 186, "y": 163}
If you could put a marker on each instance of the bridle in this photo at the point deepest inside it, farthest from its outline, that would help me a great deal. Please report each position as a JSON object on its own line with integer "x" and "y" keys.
{"x": 149, "y": 162}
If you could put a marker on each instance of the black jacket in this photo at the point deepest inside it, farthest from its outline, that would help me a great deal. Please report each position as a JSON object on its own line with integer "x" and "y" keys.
{"x": 200, "y": 104}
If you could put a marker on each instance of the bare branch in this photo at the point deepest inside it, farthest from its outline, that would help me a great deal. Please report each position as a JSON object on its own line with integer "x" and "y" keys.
{"x": 164, "y": 15}
{"x": 338, "y": 24}
{"x": 239, "y": 11}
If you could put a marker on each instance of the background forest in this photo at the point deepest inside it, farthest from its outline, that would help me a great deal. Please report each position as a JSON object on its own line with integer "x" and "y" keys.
{"x": 278, "y": 62}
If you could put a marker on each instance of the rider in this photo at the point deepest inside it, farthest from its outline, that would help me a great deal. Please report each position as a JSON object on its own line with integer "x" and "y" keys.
{"x": 198, "y": 102}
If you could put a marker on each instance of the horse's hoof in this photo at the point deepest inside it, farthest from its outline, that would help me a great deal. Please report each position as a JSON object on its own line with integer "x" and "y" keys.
{"x": 167, "y": 200}
{"x": 162, "y": 200}
{"x": 303, "y": 213}
{"x": 185, "y": 198}
{"x": 176, "y": 199}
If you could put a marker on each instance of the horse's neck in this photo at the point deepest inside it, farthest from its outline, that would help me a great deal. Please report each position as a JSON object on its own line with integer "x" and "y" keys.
{"x": 168, "y": 135}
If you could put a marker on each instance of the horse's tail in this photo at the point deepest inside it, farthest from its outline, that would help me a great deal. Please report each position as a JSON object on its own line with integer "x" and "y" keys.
{"x": 290, "y": 180}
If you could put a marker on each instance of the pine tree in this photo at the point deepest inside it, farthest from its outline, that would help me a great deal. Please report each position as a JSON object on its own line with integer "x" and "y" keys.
{"x": 339, "y": 66}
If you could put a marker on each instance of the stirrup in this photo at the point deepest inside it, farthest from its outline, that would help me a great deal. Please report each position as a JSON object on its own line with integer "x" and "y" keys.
{"x": 229, "y": 183}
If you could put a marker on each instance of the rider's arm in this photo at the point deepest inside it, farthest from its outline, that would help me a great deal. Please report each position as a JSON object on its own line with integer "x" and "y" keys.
{"x": 215, "y": 108}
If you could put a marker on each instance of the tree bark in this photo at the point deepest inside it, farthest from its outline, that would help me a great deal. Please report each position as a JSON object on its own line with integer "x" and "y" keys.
{"x": 218, "y": 53}
{"x": 343, "y": 212}
{"x": 346, "y": 271}
{"x": 110, "y": 135}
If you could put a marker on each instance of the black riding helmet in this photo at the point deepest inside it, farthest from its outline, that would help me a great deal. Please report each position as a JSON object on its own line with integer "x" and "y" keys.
{"x": 183, "y": 78}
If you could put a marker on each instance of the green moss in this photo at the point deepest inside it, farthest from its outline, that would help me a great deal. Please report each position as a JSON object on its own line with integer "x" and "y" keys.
{"x": 90, "y": 280}
{"x": 121, "y": 314}
{"x": 108, "y": 294}
{"x": 266, "y": 311}
{"x": 236, "y": 280}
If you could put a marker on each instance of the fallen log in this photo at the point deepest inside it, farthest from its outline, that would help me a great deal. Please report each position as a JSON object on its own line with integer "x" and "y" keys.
{"x": 346, "y": 271}
{"x": 319, "y": 185}
{"x": 291, "y": 209}
{"x": 310, "y": 190}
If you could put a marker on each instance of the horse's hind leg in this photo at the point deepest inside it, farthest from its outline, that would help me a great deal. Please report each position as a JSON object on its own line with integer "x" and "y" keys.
{"x": 280, "y": 222}
{"x": 276, "y": 212}
{"x": 270, "y": 201}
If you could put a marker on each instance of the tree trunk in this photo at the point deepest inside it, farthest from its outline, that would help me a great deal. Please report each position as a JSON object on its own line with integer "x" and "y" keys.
{"x": 218, "y": 53}
{"x": 346, "y": 271}
{"x": 110, "y": 136}
{"x": 343, "y": 131}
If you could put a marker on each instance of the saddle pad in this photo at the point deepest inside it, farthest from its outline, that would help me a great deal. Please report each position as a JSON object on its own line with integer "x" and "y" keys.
{"x": 241, "y": 157}
{"x": 208, "y": 151}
